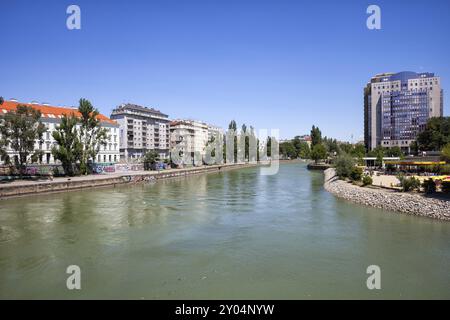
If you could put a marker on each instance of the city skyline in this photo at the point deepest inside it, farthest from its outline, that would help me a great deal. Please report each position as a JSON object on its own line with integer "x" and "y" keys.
{"x": 259, "y": 65}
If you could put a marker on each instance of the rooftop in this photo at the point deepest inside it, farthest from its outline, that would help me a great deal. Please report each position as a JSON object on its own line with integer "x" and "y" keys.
{"x": 135, "y": 107}
{"x": 48, "y": 111}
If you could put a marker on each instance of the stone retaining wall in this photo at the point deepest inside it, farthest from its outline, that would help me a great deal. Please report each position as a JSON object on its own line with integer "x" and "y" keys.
{"x": 414, "y": 204}
{"x": 66, "y": 184}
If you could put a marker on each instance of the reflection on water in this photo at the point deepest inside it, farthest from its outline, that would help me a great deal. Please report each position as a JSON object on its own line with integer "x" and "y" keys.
{"x": 234, "y": 234}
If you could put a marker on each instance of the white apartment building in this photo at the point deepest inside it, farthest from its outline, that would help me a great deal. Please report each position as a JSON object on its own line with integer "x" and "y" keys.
{"x": 51, "y": 118}
{"x": 213, "y": 131}
{"x": 142, "y": 129}
{"x": 189, "y": 136}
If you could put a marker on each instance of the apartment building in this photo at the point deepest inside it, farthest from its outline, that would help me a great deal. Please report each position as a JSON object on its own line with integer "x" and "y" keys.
{"x": 397, "y": 107}
{"x": 189, "y": 137}
{"x": 213, "y": 131}
{"x": 51, "y": 118}
{"x": 142, "y": 129}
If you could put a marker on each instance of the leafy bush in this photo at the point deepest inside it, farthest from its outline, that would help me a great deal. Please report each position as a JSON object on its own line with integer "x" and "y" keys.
{"x": 429, "y": 186}
{"x": 356, "y": 174}
{"x": 445, "y": 187}
{"x": 344, "y": 165}
{"x": 407, "y": 183}
{"x": 367, "y": 180}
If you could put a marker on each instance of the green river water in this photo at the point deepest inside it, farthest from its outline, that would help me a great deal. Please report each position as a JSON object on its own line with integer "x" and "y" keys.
{"x": 229, "y": 235}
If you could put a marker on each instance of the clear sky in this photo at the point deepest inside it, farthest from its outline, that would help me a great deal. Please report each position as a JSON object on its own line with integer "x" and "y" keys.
{"x": 271, "y": 64}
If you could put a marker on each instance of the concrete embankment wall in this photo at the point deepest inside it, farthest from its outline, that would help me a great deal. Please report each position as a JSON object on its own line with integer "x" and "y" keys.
{"x": 414, "y": 204}
{"x": 67, "y": 184}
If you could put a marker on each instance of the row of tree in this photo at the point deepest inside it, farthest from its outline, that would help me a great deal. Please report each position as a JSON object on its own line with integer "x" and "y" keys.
{"x": 78, "y": 137}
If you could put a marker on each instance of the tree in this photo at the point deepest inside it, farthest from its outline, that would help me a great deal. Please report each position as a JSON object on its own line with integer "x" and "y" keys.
{"x": 1, "y": 100}
{"x": 233, "y": 126}
{"x": 316, "y": 136}
{"x": 318, "y": 152}
{"x": 358, "y": 151}
{"x": 394, "y": 152}
{"x": 331, "y": 145}
{"x": 378, "y": 153}
{"x": 436, "y": 134}
{"x": 20, "y": 129}
{"x": 344, "y": 165}
{"x": 303, "y": 151}
{"x": 445, "y": 153}
{"x": 287, "y": 149}
{"x": 92, "y": 135}
{"x": 150, "y": 159}
{"x": 69, "y": 148}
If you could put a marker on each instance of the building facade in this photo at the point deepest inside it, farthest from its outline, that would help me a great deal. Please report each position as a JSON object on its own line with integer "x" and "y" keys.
{"x": 397, "y": 107}
{"x": 189, "y": 137}
{"x": 214, "y": 131}
{"x": 51, "y": 118}
{"x": 142, "y": 129}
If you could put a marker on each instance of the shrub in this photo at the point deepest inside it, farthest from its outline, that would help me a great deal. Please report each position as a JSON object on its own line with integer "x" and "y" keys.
{"x": 367, "y": 180}
{"x": 356, "y": 173}
{"x": 445, "y": 187}
{"x": 429, "y": 186}
{"x": 408, "y": 184}
{"x": 344, "y": 165}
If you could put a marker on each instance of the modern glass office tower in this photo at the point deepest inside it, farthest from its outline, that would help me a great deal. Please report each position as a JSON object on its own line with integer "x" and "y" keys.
{"x": 397, "y": 107}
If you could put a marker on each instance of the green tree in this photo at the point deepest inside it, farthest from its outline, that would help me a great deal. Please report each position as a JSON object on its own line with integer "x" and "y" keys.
{"x": 445, "y": 153}
{"x": 92, "y": 135}
{"x": 269, "y": 146}
{"x": 344, "y": 165}
{"x": 304, "y": 151}
{"x": 319, "y": 152}
{"x": 68, "y": 148}
{"x": 436, "y": 134}
{"x": 21, "y": 129}
{"x": 1, "y": 100}
{"x": 358, "y": 151}
{"x": 356, "y": 173}
{"x": 288, "y": 150}
{"x": 316, "y": 136}
{"x": 233, "y": 126}
{"x": 150, "y": 158}
{"x": 394, "y": 152}
{"x": 378, "y": 153}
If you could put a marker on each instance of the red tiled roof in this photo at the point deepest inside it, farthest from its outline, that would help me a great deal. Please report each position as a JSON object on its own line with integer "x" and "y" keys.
{"x": 49, "y": 111}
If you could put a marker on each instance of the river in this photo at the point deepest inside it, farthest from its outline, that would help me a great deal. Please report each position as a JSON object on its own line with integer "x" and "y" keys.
{"x": 228, "y": 235}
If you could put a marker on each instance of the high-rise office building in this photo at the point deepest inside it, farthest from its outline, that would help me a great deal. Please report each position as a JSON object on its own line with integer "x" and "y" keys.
{"x": 142, "y": 129}
{"x": 397, "y": 107}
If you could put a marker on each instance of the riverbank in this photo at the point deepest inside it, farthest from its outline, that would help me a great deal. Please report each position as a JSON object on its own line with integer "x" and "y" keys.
{"x": 62, "y": 184}
{"x": 414, "y": 204}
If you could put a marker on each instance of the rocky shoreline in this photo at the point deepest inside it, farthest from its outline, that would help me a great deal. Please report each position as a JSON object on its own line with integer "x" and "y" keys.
{"x": 413, "y": 204}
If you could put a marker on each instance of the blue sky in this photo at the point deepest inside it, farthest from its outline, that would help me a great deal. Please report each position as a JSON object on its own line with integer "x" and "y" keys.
{"x": 271, "y": 64}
